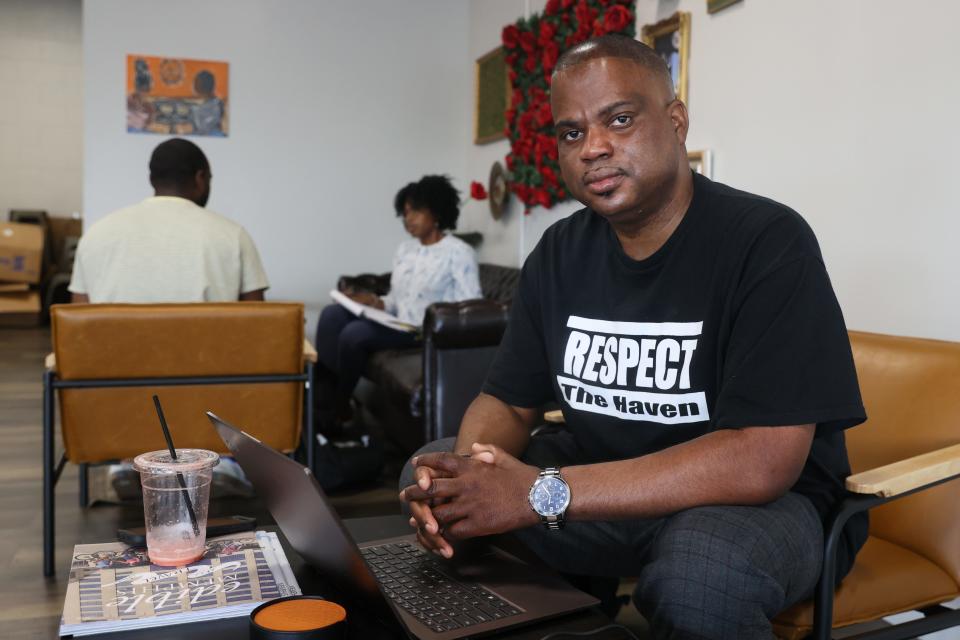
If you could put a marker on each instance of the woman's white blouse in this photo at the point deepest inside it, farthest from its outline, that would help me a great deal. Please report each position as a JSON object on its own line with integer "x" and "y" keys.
{"x": 445, "y": 271}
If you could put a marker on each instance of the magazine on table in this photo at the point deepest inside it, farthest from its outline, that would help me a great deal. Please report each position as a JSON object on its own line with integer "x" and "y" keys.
{"x": 114, "y": 587}
{"x": 372, "y": 313}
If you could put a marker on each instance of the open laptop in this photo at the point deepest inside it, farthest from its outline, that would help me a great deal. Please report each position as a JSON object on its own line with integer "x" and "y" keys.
{"x": 475, "y": 593}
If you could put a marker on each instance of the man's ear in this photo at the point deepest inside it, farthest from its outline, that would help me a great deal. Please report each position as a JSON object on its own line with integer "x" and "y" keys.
{"x": 677, "y": 111}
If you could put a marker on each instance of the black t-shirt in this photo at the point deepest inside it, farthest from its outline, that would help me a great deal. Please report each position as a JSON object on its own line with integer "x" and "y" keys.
{"x": 731, "y": 323}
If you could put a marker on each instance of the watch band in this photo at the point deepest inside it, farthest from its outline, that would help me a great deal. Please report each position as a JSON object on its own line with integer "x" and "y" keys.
{"x": 554, "y": 522}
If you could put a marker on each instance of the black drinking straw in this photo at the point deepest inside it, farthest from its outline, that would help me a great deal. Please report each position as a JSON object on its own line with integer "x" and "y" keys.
{"x": 173, "y": 456}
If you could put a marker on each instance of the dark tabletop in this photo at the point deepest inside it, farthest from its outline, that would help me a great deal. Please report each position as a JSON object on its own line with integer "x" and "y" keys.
{"x": 362, "y": 529}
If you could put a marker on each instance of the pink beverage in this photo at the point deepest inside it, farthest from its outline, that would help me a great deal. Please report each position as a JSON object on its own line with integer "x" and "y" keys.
{"x": 176, "y": 526}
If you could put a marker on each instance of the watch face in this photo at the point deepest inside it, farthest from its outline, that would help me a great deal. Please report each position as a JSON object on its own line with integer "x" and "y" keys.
{"x": 550, "y": 496}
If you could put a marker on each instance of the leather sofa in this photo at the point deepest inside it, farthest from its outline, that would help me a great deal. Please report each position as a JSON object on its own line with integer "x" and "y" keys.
{"x": 418, "y": 395}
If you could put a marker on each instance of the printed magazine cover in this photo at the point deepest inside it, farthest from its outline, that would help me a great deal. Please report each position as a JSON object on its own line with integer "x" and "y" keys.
{"x": 114, "y": 587}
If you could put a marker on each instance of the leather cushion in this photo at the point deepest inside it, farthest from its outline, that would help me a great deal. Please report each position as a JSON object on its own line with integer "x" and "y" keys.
{"x": 882, "y": 576}
{"x": 499, "y": 283}
{"x": 909, "y": 388}
{"x": 102, "y": 341}
{"x": 114, "y": 424}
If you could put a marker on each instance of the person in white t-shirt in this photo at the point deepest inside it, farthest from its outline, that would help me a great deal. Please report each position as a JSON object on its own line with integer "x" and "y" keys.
{"x": 169, "y": 248}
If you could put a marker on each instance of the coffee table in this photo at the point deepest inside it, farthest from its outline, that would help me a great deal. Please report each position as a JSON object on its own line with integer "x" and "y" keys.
{"x": 362, "y": 529}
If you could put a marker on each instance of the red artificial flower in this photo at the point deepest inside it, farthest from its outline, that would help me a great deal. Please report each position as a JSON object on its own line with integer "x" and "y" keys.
{"x": 513, "y": 77}
{"x": 522, "y": 191}
{"x": 541, "y": 197}
{"x": 547, "y": 33}
{"x": 477, "y": 192}
{"x": 549, "y": 177}
{"x": 511, "y": 163}
{"x": 510, "y": 36}
{"x": 510, "y": 115}
{"x": 547, "y": 146}
{"x": 527, "y": 41}
{"x": 537, "y": 95}
{"x": 516, "y": 99}
{"x": 617, "y": 18}
{"x": 543, "y": 115}
{"x": 566, "y": 3}
{"x": 525, "y": 122}
{"x": 553, "y": 6}
{"x": 549, "y": 59}
{"x": 598, "y": 29}
{"x": 530, "y": 64}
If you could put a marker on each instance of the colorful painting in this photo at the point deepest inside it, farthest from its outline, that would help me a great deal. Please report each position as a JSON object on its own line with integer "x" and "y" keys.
{"x": 177, "y": 96}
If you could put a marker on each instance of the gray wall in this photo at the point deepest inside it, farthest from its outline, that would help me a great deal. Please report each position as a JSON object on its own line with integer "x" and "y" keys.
{"x": 333, "y": 106}
{"x": 41, "y": 124}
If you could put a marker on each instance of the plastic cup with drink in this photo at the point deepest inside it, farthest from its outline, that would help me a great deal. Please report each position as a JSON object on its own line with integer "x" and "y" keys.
{"x": 176, "y": 494}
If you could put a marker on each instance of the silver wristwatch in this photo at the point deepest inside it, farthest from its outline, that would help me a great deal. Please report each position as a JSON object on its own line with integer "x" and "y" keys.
{"x": 549, "y": 497}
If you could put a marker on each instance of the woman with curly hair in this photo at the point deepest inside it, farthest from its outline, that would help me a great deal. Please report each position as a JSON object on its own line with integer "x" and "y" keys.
{"x": 433, "y": 266}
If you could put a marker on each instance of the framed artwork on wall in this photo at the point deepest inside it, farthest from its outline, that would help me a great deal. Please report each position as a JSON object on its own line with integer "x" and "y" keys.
{"x": 177, "y": 96}
{"x": 701, "y": 162}
{"x": 671, "y": 39}
{"x": 492, "y": 93}
{"x": 716, "y": 5}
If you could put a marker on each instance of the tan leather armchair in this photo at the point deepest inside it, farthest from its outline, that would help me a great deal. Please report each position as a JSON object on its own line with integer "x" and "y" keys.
{"x": 246, "y": 361}
{"x": 903, "y": 459}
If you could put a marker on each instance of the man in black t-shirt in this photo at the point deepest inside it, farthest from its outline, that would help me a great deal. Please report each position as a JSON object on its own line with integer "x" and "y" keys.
{"x": 692, "y": 337}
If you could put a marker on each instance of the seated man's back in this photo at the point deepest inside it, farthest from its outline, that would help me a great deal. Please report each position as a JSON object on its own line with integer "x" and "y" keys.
{"x": 166, "y": 249}
{"x": 169, "y": 248}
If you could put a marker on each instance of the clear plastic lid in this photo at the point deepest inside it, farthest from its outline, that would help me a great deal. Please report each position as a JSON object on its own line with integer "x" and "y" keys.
{"x": 188, "y": 461}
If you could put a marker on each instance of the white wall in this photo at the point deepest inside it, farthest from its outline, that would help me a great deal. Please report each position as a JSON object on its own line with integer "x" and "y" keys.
{"x": 333, "y": 107}
{"x": 41, "y": 139}
{"x": 830, "y": 108}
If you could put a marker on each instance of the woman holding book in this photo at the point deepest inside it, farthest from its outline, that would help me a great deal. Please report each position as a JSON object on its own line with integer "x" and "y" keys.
{"x": 432, "y": 266}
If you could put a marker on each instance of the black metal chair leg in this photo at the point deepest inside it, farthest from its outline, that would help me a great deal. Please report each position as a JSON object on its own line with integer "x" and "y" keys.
{"x": 49, "y": 479}
{"x": 84, "y": 485}
{"x": 309, "y": 417}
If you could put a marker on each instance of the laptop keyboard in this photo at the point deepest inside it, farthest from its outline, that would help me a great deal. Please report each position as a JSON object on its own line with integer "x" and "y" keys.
{"x": 418, "y": 584}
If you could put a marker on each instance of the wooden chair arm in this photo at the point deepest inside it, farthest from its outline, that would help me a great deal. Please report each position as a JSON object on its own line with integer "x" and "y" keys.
{"x": 50, "y": 362}
{"x": 309, "y": 353}
{"x": 905, "y": 475}
{"x": 555, "y": 417}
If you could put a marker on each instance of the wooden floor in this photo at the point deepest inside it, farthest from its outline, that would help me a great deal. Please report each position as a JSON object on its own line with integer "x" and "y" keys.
{"x": 31, "y": 604}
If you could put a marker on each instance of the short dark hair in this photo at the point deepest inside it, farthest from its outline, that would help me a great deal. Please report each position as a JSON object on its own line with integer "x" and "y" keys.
{"x": 614, "y": 45}
{"x": 434, "y": 193}
{"x": 204, "y": 82}
{"x": 175, "y": 162}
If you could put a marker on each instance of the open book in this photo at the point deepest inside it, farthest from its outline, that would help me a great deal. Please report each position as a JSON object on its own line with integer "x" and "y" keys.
{"x": 371, "y": 313}
{"x": 114, "y": 587}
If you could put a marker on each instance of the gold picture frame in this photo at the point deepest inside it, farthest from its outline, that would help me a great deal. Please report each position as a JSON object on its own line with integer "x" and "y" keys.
{"x": 671, "y": 39}
{"x": 701, "y": 162}
{"x": 716, "y": 5}
{"x": 492, "y": 90}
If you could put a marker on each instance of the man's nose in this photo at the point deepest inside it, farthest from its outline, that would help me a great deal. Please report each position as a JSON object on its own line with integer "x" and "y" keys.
{"x": 596, "y": 145}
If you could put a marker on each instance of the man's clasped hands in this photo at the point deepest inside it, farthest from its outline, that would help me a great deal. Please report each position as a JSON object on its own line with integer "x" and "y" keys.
{"x": 456, "y": 496}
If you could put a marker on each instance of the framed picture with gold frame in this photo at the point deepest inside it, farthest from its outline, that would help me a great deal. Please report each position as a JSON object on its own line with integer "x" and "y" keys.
{"x": 716, "y": 5}
{"x": 701, "y": 162}
{"x": 492, "y": 93}
{"x": 671, "y": 39}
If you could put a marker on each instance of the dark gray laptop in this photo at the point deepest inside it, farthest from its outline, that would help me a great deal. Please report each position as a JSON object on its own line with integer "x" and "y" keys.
{"x": 473, "y": 594}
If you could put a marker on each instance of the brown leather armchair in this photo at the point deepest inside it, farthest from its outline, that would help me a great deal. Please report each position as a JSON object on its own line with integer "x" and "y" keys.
{"x": 903, "y": 459}
{"x": 246, "y": 361}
